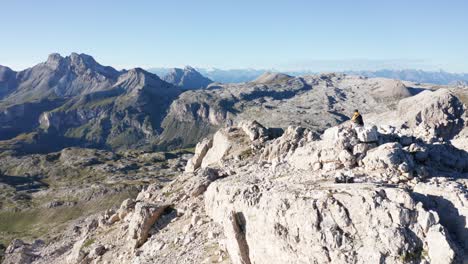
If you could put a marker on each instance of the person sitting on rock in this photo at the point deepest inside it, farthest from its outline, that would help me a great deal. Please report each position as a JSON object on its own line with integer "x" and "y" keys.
{"x": 357, "y": 118}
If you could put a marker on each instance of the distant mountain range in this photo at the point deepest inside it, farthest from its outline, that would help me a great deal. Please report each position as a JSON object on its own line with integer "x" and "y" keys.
{"x": 218, "y": 75}
{"x": 246, "y": 75}
{"x": 419, "y": 76}
{"x": 75, "y": 101}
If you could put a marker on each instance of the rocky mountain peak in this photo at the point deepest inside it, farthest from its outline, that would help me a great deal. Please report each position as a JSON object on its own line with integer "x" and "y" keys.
{"x": 189, "y": 69}
{"x": 187, "y": 78}
{"x": 79, "y": 63}
{"x": 138, "y": 71}
{"x": 7, "y": 80}
{"x": 137, "y": 79}
{"x": 54, "y": 59}
{"x": 5, "y": 73}
{"x": 83, "y": 59}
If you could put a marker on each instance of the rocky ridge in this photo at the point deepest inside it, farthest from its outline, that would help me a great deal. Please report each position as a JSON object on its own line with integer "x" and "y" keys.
{"x": 316, "y": 102}
{"x": 379, "y": 193}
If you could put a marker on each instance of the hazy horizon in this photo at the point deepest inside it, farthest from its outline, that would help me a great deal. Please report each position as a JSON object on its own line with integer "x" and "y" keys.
{"x": 355, "y": 66}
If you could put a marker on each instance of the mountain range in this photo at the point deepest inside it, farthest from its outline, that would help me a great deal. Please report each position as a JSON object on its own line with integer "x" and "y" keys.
{"x": 413, "y": 75}
{"x": 75, "y": 101}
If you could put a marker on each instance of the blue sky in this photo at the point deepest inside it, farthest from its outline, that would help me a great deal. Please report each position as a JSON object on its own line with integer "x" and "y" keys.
{"x": 285, "y": 35}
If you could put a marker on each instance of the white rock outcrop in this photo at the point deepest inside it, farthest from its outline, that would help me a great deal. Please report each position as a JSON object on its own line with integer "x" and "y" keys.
{"x": 221, "y": 145}
{"x": 200, "y": 152}
{"x": 356, "y": 223}
{"x": 388, "y": 156}
{"x": 292, "y": 138}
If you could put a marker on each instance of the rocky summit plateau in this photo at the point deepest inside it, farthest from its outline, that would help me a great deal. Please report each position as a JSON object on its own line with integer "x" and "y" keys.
{"x": 107, "y": 166}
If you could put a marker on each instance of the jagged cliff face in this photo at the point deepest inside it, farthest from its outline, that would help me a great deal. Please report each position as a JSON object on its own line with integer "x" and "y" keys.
{"x": 127, "y": 115}
{"x": 84, "y": 103}
{"x": 62, "y": 77}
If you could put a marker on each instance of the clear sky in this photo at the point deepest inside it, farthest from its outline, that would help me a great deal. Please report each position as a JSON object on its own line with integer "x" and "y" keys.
{"x": 286, "y": 35}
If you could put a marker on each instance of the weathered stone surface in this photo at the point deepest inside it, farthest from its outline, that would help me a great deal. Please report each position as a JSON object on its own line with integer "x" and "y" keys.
{"x": 19, "y": 252}
{"x": 198, "y": 184}
{"x": 461, "y": 140}
{"x": 279, "y": 148}
{"x": 355, "y": 224}
{"x": 254, "y": 130}
{"x": 77, "y": 254}
{"x": 238, "y": 246}
{"x": 367, "y": 134}
{"x": 450, "y": 201}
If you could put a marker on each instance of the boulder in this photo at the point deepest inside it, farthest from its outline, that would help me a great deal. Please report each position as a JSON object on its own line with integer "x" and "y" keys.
{"x": 461, "y": 140}
{"x": 440, "y": 249}
{"x": 333, "y": 151}
{"x": 221, "y": 146}
{"x": 125, "y": 208}
{"x": 443, "y": 156}
{"x": 254, "y": 130}
{"x": 143, "y": 218}
{"x": 77, "y": 254}
{"x": 367, "y": 134}
{"x": 200, "y": 152}
{"x": 198, "y": 184}
{"x": 387, "y": 156}
{"x": 228, "y": 144}
{"x": 360, "y": 149}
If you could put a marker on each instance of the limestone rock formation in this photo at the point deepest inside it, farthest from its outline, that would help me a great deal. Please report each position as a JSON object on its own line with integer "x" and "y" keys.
{"x": 429, "y": 115}
{"x": 144, "y": 217}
